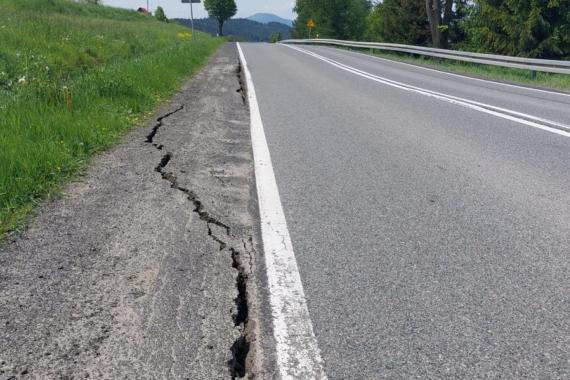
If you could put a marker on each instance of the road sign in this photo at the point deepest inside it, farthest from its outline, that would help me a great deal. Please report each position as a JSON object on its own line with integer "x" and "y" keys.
{"x": 311, "y": 24}
{"x": 191, "y": 12}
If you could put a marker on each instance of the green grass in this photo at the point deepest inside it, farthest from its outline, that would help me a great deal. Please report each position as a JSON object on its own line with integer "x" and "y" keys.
{"x": 503, "y": 74}
{"x": 73, "y": 79}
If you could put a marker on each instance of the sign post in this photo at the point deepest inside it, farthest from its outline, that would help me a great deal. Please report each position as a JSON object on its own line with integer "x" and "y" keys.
{"x": 310, "y": 24}
{"x": 191, "y": 12}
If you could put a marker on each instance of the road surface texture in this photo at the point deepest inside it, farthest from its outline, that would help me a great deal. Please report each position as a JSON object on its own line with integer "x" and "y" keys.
{"x": 143, "y": 268}
{"x": 432, "y": 238}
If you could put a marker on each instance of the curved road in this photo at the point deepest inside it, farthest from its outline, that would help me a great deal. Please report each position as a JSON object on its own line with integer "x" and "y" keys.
{"x": 432, "y": 235}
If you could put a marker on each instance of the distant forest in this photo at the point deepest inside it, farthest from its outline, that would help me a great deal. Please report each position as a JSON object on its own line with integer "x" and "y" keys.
{"x": 241, "y": 28}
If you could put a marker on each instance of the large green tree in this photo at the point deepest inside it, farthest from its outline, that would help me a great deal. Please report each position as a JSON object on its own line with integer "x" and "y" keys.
{"x": 342, "y": 19}
{"x": 221, "y": 10}
{"x": 399, "y": 21}
{"x": 528, "y": 28}
{"x": 445, "y": 18}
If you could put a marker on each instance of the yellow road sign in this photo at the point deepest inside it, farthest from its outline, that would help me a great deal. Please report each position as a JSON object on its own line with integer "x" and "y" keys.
{"x": 311, "y": 24}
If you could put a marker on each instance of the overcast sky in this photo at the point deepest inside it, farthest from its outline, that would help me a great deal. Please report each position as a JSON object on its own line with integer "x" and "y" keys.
{"x": 246, "y": 8}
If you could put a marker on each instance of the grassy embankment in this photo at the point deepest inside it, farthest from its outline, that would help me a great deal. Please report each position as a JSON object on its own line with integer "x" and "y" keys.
{"x": 503, "y": 74}
{"x": 73, "y": 79}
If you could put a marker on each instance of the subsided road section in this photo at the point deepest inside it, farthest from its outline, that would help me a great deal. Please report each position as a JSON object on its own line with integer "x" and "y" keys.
{"x": 145, "y": 267}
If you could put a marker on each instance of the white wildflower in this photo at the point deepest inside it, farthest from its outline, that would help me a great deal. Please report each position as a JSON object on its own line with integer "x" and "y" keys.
{"x": 22, "y": 80}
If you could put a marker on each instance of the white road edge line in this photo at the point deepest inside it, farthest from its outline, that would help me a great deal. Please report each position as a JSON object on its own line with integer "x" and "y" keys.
{"x": 555, "y": 93}
{"x": 298, "y": 354}
{"x": 536, "y": 119}
{"x": 485, "y": 108}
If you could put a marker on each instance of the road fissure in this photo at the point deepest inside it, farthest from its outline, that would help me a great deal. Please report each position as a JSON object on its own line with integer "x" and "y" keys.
{"x": 241, "y": 346}
{"x": 297, "y": 350}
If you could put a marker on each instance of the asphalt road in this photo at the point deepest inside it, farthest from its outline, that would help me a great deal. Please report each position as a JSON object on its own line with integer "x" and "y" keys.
{"x": 432, "y": 239}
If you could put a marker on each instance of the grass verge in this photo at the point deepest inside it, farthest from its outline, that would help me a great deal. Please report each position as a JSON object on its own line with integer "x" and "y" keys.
{"x": 497, "y": 73}
{"x": 73, "y": 78}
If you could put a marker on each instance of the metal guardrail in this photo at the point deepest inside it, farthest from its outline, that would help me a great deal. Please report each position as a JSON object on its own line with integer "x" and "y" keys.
{"x": 544, "y": 65}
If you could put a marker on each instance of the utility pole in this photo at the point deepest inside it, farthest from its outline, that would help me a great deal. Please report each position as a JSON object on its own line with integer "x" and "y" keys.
{"x": 191, "y": 13}
{"x": 192, "y": 18}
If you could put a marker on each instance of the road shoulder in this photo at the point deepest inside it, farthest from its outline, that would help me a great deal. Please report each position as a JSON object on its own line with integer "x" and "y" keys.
{"x": 145, "y": 267}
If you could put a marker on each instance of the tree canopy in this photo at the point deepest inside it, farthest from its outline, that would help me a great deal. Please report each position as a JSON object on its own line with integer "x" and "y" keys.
{"x": 528, "y": 28}
{"x": 342, "y": 19}
{"x": 221, "y": 10}
{"x": 399, "y": 21}
{"x": 159, "y": 14}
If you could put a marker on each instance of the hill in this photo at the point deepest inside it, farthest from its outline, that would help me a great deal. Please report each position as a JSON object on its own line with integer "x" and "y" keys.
{"x": 241, "y": 28}
{"x": 73, "y": 78}
{"x": 266, "y": 18}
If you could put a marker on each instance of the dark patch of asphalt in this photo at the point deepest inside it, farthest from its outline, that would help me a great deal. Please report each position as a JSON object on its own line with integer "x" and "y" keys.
{"x": 144, "y": 269}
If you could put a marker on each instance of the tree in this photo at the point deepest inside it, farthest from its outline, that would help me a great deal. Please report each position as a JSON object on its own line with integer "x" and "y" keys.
{"x": 529, "y": 28}
{"x": 399, "y": 21}
{"x": 221, "y": 10}
{"x": 439, "y": 14}
{"x": 159, "y": 14}
{"x": 342, "y": 19}
{"x": 275, "y": 37}
{"x": 444, "y": 18}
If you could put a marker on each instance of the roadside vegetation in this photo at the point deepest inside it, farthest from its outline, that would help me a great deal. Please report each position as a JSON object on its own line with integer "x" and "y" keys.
{"x": 502, "y": 74}
{"x": 73, "y": 78}
{"x": 534, "y": 29}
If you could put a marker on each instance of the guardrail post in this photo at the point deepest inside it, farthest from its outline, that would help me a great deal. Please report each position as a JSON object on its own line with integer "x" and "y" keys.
{"x": 533, "y": 75}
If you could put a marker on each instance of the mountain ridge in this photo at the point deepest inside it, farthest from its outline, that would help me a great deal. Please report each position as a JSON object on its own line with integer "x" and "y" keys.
{"x": 266, "y": 18}
{"x": 242, "y": 28}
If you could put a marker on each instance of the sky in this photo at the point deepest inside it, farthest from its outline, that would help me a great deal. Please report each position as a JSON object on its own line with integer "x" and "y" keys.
{"x": 246, "y": 8}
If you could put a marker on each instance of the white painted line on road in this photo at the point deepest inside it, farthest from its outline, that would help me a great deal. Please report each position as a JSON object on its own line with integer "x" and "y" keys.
{"x": 555, "y": 93}
{"x": 298, "y": 355}
{"x": 536, "y": 119}
{"x": 503, "y": 113}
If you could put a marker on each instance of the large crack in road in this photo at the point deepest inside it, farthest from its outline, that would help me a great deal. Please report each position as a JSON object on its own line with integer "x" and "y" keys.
{"x": 240, "y": 347}
{"x": 145, "y": 268}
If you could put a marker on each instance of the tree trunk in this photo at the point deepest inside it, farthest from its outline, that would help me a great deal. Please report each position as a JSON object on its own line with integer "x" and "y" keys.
{"x": 447, "y": 15}
{"x": 433, "y": 8}
{"x": 220, "y": 27}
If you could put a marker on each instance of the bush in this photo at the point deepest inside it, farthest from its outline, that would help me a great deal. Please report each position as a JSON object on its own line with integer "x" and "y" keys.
{"x": 159, "y": 14}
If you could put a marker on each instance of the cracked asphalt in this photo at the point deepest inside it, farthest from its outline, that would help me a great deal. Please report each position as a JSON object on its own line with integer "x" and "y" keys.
{"x": 144, "y": 268}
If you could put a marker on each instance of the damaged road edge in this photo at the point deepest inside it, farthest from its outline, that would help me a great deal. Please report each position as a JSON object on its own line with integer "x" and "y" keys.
{"x": 241, "y": 258}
